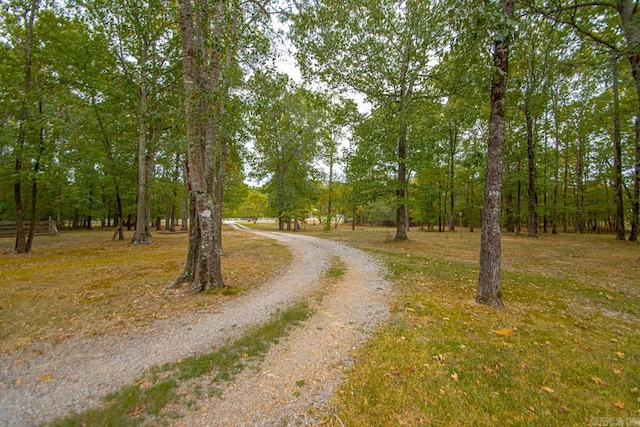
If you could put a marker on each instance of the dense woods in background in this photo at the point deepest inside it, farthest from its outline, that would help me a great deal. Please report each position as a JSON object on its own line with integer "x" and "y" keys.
{"x": 95, "y": 129}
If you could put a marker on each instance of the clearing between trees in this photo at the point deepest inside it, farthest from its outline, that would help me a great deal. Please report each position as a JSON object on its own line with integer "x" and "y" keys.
{"x": 76, "y": 374}
{"x": 562, "y": 352}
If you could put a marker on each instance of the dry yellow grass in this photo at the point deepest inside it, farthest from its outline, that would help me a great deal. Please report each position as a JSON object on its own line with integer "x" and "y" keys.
{"x": 82, "y": 283}
{"x": 563, "y": 352}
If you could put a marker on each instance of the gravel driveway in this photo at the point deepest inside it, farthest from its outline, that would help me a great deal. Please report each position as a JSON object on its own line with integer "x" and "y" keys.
{"x": 296, "y": 375}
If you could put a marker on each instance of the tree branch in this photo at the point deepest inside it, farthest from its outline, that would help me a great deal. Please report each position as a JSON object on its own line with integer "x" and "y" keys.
{"x": 577, "y": 5}
{"x": 554, "y": 15}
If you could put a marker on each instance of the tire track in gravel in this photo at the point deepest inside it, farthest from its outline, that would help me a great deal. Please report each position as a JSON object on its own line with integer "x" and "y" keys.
{"x": 79, "y": 372}
{"x": 294, "y": 383}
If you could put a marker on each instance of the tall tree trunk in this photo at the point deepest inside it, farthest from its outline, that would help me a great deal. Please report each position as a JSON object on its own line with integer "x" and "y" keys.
{"x": 490, "y": 248}
{"x": 185, "y": 205}
{"x": 545, "y": 193}
{"x": 510, "y": 220}
{"x": 580, "y": 219}
{"x": 327, "y": 226}
{"x": 453, "y": 136}
{"x": 519, "y": 199}
{"x": 401, "y": 190}
{"x": 619, "y": 225}
{"x": 635, "y": 203}
{"x": 471, "y": 218}
{"x": 565, "y": 190}
{"x": 628, "y": 10}
{"x": 89, "y": 223}
{"x": 532, "y": 220}
{"x": 406, "y": 93}
{"x": 281, "y": 201}
{"x": 353, "y": 223}
{"x": 21, "y": 241}
{"x": 150, "y": 165}
{"x": 140, "y": 235}
{"x": 34, "y": 184}
{"x": 172, "y": 214}
{"x": 201, "y": 72}
{"x": 111, "y": 158}
{"x": 196, "y": 158}
{"x": 556, "y": 177}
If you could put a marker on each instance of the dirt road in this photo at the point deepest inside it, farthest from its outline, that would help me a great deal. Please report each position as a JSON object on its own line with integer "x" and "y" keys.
{"x": 291, "y": 385}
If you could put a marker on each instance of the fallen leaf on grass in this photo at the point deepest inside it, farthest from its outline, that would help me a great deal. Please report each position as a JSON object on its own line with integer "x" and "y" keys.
{"x": 138, "y": 410}
{"x": 46, "y": 377}
{"x": 618, "y": 405}
{"x": 505, "y": 332}
{"x": 455, "y": 377}
{"x": 439, "y": 357}
{"x": 19, "y": 362}
{"x": 244, "y": 355}
{"x": 597, "y": 380}
{"x": 19, "y": 381}
{"x": 143, "y": 383}
{"x": 619, "y": 354}
{"x": 547, "y": 389}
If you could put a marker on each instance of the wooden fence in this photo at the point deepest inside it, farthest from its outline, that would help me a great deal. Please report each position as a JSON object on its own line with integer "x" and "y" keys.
{"x": 8, "y": 228}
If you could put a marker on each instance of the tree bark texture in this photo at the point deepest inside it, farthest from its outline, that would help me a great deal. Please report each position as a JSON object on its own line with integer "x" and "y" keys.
{"x": 532, "y": 220}
{"x": 490, "y": 248}
{"x": 201, "y": 26}
{"x": 21, "y": 241}
{"x": 34, "y": 183}
{"x": 106, "y": 141}
{"x": 580, "y": 223}
{"x": 556, "y": 177}
{"x": 628, "y": 11}
{"x": 453, "y": 142}
{"x": 140, "y": 235}
{"x": 402, "y": 214}
{"x": 635, "y": 202}
{"x": 401, "y": 191}
{"x": 619, "y": 224}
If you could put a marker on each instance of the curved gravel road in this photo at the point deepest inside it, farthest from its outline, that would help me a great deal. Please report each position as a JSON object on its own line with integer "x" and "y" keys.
{"x": 296, "y": 376}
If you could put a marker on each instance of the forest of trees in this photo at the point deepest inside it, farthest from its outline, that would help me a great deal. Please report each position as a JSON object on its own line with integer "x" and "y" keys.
{"x": 137, "y": 113}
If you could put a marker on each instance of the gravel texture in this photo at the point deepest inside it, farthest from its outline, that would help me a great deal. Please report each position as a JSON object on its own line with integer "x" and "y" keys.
{"x": 291, "y": 386}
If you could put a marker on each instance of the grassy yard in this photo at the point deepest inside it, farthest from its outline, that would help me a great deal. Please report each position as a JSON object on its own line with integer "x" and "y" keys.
{"x": 81, "y": 283}
{"x": 565, "y": 350}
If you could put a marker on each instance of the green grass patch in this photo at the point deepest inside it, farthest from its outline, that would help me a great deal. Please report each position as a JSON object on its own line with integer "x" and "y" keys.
{"x": 143, "y": 402}
{"x": 337, "y": 269}
{"x": 128, "y": 407}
